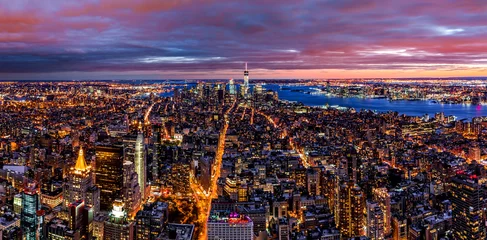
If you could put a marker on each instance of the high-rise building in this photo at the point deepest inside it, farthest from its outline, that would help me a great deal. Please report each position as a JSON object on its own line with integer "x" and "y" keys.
{"x": 32, "y": 217}
{"x": 134, "y": 151}
{"x": 467, "y": 197}
{"x": 245, "y": 87}
{"x": 383, "y": 199}
{"x": 375, "y": 221}
{"x": 81, "y": 219}
{"x": 233, "y": 226}
{"x": 150, "y": 221}
{"x": 117, "y": 226}
{"x": 18, "y": 203}
{"x": 80, "y": 185}
{"x": 130, "y": 190}
{"x": 231, "y": 87}
{"x": 350, "y": 209}
{"x": 109, "y": 174}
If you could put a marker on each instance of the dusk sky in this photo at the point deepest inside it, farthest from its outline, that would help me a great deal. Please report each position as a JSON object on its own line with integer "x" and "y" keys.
{"x": 160, "y": 39}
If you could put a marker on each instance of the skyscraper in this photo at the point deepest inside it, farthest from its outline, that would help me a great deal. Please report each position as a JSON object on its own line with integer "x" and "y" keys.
{"x": 150, "y": 221}
{"x": 231, "y": 87}
{"x": 383, "y": 199}
{"x": 245, "y": 86}
{"x": 134, "y": 151}
{"x": 81, "y": 219}
{"x": 131, "y": 189}
{"x": 350, "y": 209}
{"x": 32, "y": 216}
{"x": 117, "y": 226}
{"x": 375, "y": 221}
{"x": 140, "y": 162}
{"x": 80, "y": 184}
{"x": 467, "y": 197}
{"x": 109, "y": 174}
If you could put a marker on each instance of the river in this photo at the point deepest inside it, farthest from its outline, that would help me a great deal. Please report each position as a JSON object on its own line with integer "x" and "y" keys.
{"x": 411, "y": 108}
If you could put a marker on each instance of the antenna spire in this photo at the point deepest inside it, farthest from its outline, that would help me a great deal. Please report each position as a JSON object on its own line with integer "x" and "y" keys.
{"x": 245, "y": 66}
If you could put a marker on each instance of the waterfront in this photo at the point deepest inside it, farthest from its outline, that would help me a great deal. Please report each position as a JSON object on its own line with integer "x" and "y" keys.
{"x": 411, "y": 108}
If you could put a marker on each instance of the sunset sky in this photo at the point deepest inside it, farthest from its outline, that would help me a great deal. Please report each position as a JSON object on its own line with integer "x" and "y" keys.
{"x": 160, "y": 39}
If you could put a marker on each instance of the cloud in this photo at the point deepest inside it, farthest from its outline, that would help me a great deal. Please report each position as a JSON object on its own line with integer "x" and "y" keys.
{"x": 188, "y": 37}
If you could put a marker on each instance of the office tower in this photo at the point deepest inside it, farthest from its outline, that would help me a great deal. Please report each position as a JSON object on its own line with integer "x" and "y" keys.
{"x": 117, "y": 226}
{"x": 231, "y": 87}
{"x": 32, "y": 216}
{"x": 150, "y": 221}
{"x": 81, "y": 219}
{"x": 243, "y": 192}
{"x": 134, "y": 151}
{"x": 245, "y": 87}
{"x": 258, "y": 89}
{"x": 231, "y": 189}
{"x": 80, "y": 185}
{"x": 140, "y": 163}
{"x": 76, "y": 214}
{"x": 109, "y": 174}
{"x": 87, "y": 222}
{"x": 375, "y": 221}
{"x": 350, "y": 209}
{"x": 130, "y": 190}
{"x": 18, "y": 203}
{"x": 233, "y": 226}
{"x": 467, "y": 197}
{"x": 383, "y": 199}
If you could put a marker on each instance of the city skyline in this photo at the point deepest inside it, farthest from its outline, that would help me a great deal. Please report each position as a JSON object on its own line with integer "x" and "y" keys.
{"x": 209, "y": 39}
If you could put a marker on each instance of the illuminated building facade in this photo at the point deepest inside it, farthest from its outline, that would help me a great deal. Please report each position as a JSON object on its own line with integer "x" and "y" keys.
{"x": 179, "y": 178}
{"x": 231, "y": 189}
{"x": 117, "y": 226}
{"x": 350, "y": 219}
{"x": 131, "y": 190}
{"x": 383, "y": 199}
{"x": 80, "y": 184}
{"x": 150, "y": 221}
{"x": 32, "y": 216}
{"x": 109, "y": 174}
{"x": 467, "y": 197}
{"x": 231, "y": 87}
{"x": 233, "y": 227}
{"x": 134, "y": 151}
{"x": 245, "y": 87}
{"x": 81, "y": 219}
{"x": 18, "y": 203}
{"x": 375, "y": 221}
